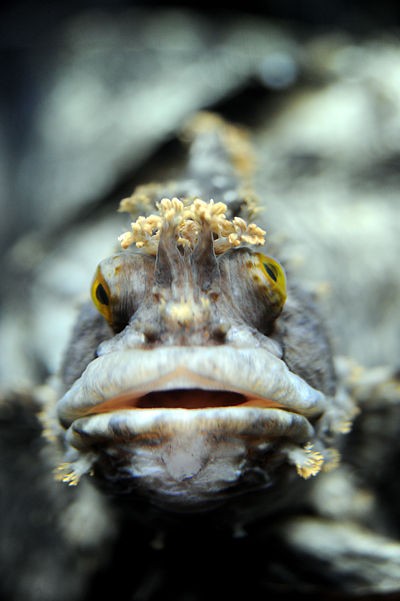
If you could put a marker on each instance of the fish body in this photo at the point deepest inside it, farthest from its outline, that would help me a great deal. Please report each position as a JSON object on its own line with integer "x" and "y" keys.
{"x": 200, "y": 374}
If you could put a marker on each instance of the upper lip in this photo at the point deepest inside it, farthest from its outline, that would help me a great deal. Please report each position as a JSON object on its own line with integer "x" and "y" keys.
{"x": 111, "y": 382}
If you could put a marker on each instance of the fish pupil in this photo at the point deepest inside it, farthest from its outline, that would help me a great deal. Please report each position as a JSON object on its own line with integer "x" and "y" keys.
{"x": 271, "y": 270}
{"x": 102, "y": 295}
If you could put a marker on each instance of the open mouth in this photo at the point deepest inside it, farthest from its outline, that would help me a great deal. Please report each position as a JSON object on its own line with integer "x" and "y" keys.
{"x": 159, "y": 410}
{"x": 186, "y": 398}
{"x": 189, "y": 424}
{"x": 161, "y": 380}
{"x": 169, "y": 397}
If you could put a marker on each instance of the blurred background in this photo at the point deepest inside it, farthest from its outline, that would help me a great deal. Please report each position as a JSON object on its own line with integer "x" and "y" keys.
{"x": 93, "y": 96}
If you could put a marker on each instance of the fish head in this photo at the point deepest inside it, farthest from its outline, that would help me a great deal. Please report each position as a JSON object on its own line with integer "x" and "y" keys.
{"x": 191, "y": 400}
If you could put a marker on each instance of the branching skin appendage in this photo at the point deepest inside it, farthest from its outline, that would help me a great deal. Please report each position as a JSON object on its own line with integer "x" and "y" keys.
{"x": 203, "y": 377}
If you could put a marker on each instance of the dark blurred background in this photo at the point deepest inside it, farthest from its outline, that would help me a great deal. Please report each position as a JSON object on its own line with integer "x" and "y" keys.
{"x": 38, "y": 40}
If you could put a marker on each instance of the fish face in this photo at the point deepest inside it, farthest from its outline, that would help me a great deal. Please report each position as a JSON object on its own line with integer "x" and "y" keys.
{"x": 191, "y": 400}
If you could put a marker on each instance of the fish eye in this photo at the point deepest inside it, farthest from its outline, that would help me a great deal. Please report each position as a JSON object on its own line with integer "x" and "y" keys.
{"x": 119, "y": 286}
{"x": 101, "y": 297}
{"x": 271, "y": 277}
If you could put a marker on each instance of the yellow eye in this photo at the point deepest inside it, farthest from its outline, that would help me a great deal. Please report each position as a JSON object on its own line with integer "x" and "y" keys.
{"x": 101, "y": 295}
{"x": 273, "y": 279}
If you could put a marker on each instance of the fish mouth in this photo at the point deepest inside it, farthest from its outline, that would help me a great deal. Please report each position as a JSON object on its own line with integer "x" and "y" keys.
{"x": 190, "y": 425}
{"x": 203, "y": 394}
{"x": 195, "y": 398}
{"x": 198, "y": 380}
{"x": 194, "y": 378}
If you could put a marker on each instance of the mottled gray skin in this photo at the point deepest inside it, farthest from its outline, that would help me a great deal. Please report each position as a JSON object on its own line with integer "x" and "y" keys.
{"x": 303, "y": 338}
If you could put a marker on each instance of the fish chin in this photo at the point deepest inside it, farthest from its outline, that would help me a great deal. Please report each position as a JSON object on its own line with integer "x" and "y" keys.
{"x": 189, "y": 457}
{"x": 169, "y": 424}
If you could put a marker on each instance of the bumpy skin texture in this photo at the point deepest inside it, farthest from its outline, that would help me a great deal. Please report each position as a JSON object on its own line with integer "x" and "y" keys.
{"x": 89, "y": 331}
{"x": 293, "y": 331}
{"x": 306, "y": 346}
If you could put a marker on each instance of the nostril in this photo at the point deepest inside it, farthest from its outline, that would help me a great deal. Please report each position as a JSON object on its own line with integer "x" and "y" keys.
{"x": 151, "y": 334}
{"x": 219, "y": 332}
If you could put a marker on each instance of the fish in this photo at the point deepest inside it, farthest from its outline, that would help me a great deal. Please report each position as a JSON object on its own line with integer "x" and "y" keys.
{"x": 200, "y": 373}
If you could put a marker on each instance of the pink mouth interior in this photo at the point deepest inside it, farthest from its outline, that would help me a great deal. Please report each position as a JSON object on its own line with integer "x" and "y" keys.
{"x": 187, "y": 398}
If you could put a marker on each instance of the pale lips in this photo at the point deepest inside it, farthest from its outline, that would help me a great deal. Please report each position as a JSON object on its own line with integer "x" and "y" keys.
{"x": 148, "y": 403}
{"x": 184, "y": 403}
{"x": 203, "y": 395}
{"x": 199, "y": 379}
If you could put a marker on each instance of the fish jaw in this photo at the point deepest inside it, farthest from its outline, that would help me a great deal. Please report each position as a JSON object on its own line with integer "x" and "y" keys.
{"x": 189, "y": 456}
{"x": 185, "y": 459}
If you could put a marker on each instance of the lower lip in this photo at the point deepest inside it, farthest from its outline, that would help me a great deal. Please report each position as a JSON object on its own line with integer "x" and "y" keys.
{"x": 136, "y": 427}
